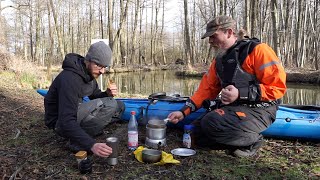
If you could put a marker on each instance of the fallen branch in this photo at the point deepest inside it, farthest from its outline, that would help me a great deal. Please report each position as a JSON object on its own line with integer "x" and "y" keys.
{"x": 4, "y": 111}
{"x": 50, "y": 176}
{"x": 17, "y": 108}
{"x": 13, "y": 176}
{"x": 18, "y": 133}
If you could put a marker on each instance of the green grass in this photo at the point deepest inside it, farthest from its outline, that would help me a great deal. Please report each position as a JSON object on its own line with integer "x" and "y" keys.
{"x": 28, "y": 78}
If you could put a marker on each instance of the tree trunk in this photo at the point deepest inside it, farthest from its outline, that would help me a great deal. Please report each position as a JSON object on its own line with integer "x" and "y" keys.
{"x": 297, "y": 33}
{"x": 110, "y": 20}
{"x": 141, "y": 55}
{"x": 316, "y": 35}
{"x": 37, "y": 38}
{"x": 101, "y": 20}
{"x": 156, "y": 38}
{"x": 50, "y": 53}
{"x": 247, "y": 16}
{"x": 253, "y": 11}
{"x": 274, "y": 10}
{"x": 164, "y": 60}
{"x": 31, "y": 32}
{"x": 122, "y": 42}
{"x": 60, "y": 42}
{"x": 116, "y": 41}
{"x": 152, "y": 35}
{"x": 135, "y": 26}
{"x": 186, "y": 32}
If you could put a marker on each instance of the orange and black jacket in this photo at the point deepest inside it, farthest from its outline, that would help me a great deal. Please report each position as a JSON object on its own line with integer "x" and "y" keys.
{"x": 250, "y": 66}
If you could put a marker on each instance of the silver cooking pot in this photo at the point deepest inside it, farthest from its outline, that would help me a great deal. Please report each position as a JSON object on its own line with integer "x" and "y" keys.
{"x": 156, "y": 130}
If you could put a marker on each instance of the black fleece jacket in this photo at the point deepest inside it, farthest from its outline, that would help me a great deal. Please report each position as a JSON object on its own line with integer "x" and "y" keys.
{"x": 63, "y": 98}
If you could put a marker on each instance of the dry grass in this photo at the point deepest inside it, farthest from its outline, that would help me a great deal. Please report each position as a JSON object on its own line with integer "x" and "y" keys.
{"x": 26, "y": 73}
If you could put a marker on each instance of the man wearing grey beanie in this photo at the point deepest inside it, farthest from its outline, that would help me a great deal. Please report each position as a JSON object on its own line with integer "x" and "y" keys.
{"x": 67, "y": 113}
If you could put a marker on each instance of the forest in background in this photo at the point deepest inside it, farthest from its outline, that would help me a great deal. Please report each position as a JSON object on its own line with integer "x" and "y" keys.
{"x": 44, "y": 31}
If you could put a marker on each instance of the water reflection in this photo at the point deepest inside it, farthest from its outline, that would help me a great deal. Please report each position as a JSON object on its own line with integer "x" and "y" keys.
{"x": 146, "y": 83}
{"x": 302, "y": 94}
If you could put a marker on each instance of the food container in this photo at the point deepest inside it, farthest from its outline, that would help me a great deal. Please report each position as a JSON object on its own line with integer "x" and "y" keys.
{"x": 151, "y": 155}
{"x": 113, "y": 142}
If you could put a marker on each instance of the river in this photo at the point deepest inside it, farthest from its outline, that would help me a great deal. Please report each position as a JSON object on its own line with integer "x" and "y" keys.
{"x": 146, "y": 83}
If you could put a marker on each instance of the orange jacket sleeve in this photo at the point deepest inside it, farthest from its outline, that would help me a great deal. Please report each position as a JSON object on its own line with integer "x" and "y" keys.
{"x": 209, "y": 88}
{"x": 268, "y": 69}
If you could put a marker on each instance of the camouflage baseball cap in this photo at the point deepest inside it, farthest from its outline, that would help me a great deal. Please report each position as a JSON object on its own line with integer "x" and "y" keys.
{"x": 220, "y": 22}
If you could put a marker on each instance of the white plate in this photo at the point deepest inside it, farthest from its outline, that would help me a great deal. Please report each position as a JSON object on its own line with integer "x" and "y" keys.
{"x": 183, "y": 152}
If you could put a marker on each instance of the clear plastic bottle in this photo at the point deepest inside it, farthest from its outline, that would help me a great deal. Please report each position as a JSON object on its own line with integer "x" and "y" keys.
{"x": 133, "y": 132}
{"x": 188, "y": 136}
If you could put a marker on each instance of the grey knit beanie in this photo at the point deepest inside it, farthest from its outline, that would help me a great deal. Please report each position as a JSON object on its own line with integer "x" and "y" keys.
{"x": 100, "y": 53}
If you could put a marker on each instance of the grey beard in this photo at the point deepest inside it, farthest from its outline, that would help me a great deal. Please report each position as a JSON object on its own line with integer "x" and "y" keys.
{"x": 220, "y": 52}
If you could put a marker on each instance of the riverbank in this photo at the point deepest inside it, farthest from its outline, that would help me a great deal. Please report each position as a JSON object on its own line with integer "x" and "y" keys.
{"x": 293, "y": 75}
{"x": 30, "y": 151}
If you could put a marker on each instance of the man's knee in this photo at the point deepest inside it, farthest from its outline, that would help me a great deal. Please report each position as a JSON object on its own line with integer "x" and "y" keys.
{"x": 120, "y": 109}
{"x": 209, "y": 123}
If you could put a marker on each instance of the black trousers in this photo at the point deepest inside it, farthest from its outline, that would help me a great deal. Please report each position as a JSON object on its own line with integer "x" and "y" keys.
{"x": 233, "y": 126}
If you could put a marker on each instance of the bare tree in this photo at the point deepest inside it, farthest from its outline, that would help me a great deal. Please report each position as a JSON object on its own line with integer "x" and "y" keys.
{"x": 137, "y": 31}
{"x": 186, "y": 33}
{"x": 163, "y": 53}
{"x": 274, "y": 25}
{"x": 247, "y": 26}
{"x": 50, "y": 52}
{"x": 116, "y": 42}
{"x": 133, "y": 56}
{"x": 110, "y": 20}
{"x": 55, "y": 18}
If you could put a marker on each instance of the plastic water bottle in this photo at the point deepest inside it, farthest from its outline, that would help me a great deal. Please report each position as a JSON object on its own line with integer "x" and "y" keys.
{"x": 188, "y": 139}
{"x": 133, "y": 132}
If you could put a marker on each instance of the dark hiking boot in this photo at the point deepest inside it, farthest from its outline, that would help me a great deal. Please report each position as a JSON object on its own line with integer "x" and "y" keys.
{"x": 250, "y": 150}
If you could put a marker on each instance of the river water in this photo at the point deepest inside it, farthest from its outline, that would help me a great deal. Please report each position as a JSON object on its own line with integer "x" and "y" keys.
{"x": 146, "y": 83}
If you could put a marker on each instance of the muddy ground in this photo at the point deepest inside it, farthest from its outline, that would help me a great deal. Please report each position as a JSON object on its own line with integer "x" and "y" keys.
{"x": 28, "y": 150}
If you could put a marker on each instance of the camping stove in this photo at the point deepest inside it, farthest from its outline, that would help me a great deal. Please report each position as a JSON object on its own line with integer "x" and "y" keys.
{"x": 156, "y": 134}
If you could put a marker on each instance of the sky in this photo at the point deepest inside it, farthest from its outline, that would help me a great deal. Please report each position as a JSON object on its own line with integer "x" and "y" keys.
{"x": 5, "y": 3}
{"x": 173, "y": 12}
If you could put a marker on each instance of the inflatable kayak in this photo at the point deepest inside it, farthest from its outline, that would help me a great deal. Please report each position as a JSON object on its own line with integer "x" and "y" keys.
{"x": 292, "y": 121}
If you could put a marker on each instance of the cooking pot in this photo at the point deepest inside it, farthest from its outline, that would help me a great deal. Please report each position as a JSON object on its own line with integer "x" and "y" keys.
{"x": 156, "y": 133}
{"x": 151, "y": 155}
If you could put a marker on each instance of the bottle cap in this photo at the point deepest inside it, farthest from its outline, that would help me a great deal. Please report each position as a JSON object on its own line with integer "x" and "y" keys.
{"x": 133, "y": 113}
{"x": 189, "y": 127}
{"x": 81, "y": 154}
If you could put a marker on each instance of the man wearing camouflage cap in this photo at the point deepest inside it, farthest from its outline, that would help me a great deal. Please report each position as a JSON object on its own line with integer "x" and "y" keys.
{"x": 250, "y": 79}
{"x": 65, "y": 111}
